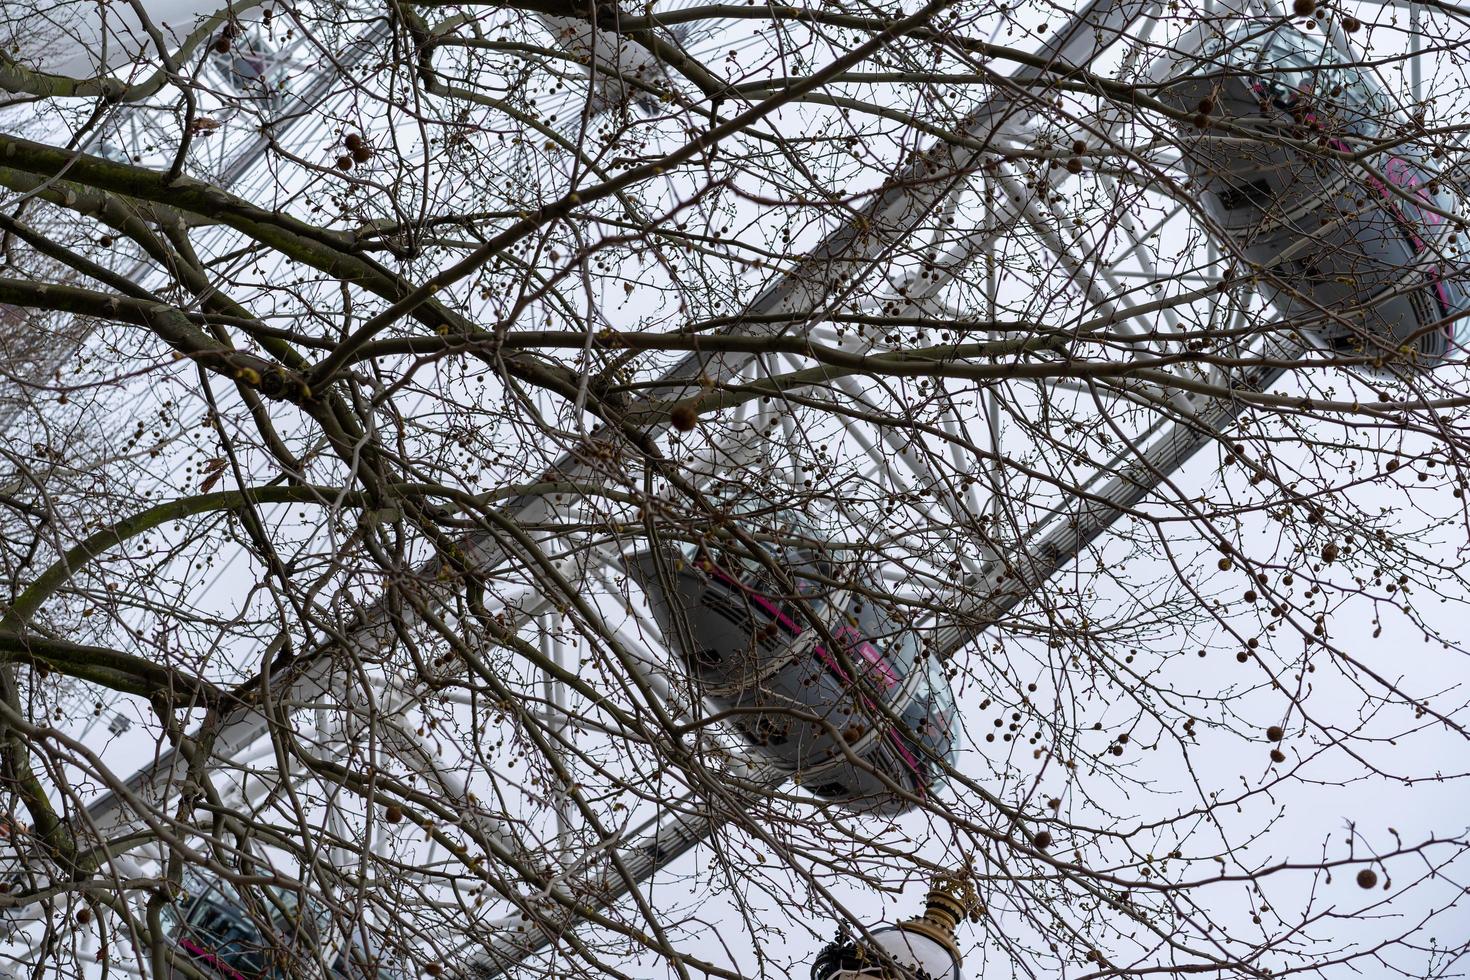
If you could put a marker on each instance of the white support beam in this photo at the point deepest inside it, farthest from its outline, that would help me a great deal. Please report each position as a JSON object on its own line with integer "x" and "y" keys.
{"x": 1122, "y": 484}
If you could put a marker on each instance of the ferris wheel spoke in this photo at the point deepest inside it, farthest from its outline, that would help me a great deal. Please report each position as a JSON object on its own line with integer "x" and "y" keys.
{"x": 554, "y": 690}
{"x": 685, "y": 822}
{"x": 924, "y": 479}
{"x": 921, "y": 286}
{"x": 1148, "y": 267}
{"x": 953, "y": 425}
{"x": 1140, "y": 241}
{"x": 1121, "y": 484}
{"x": 1089, "y": 278}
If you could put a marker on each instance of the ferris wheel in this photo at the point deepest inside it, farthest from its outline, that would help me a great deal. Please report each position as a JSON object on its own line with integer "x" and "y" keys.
{"x": 773, "y": 610}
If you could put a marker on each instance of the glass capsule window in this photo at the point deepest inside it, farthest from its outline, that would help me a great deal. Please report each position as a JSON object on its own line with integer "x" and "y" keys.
{"x": 929, "y": 720}
{"x": 221, "y": 937}
{"x": 791, "y": 542}
{"x": 1454, "y": 301}
{"x": 1302, "y": 75}
{"x": 877, "y": 643}
{"x": 214, "y": 928}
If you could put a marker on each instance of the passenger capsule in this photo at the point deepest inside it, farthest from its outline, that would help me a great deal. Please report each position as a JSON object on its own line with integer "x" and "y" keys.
{"x": 213, "y": 929}
{"x": 1362, "y": 257}
{"x": 751, "y": 644}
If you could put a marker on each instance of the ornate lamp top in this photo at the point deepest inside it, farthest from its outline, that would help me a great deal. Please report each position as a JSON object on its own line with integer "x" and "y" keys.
{"x": 952, "y": 898}
{"x": 922, "y": 948}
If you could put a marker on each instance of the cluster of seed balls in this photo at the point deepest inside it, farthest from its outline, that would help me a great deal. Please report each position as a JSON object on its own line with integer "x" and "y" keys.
{"x": 1309, "y": 8}
{"x": 357, "y": 152}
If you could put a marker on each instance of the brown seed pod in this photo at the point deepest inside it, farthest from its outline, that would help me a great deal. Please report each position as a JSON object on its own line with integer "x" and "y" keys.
{"x": 1367, "y": 878}
{"x": 362, "y": 154}
{"x": 1041, "y": 840}
{"x": 1330, "y": 552}
{"x": 1274, "y": 733}
{"x": 344, "y": 163}
{"x": 1351, "y": 25}
{"x": 1303, "y": 8}
{"x": 393, "y": 813}
{"x": 1206, "y": 105}
{"x": 1074, "y": 166}
{"x": 433, "y": 969}
{"x": 84, "y": 915}
{"x": 222, "y": 44}
{"x": 352, "y": 141}
{"x": 684, "y": 418}
{"x": 1278, "y": 756}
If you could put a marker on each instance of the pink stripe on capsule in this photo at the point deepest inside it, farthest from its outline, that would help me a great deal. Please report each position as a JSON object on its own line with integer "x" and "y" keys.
{"x": 199, "y": 952}
{"x": 871, "y": 655}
